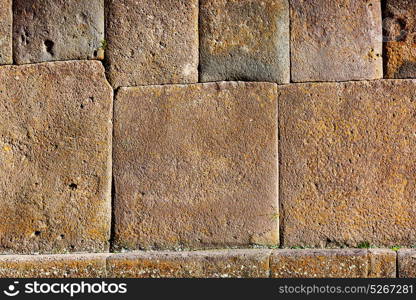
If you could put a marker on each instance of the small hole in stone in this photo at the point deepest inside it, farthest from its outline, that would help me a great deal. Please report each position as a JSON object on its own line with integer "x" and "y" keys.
{"x": 95, "y": 53}
{"x": 72, "y": 247}
{"x": 37, "y": 233}
{"x": 62, "y": 236}
{"x": 49, "y": 47}
{"x": 73, "y": 186}
{"x": 82, "y": 105}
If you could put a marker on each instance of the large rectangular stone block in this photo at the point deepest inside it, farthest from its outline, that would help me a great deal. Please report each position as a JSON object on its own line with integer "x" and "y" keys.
{"x": 399, "y": 26}
{"x": 55, "y": 150}
{"x": 6, "y": 21}
{"x": 336, "y": 40}
{"x": 151, "y": 42}
{"x": 51, "y": 30}
{"x": 199, "y": 264}
{"x": 244, "y": 40}
{"x": 347, "y": 169}
{"x": 195, "y": 166}
{"x": 333, "y": 263}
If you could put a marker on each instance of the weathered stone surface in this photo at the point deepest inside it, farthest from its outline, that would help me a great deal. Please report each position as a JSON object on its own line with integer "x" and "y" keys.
{"x": 399, "y": 26}
{"x": 152, "y": 42}
{"x": 382, "y": 263}
{"x": 53, "y": 266}
{"x": 199, "y": 264}
{"x": 347, "y": 170}
{"x": 244, "y": 40}
{"x": 195, "y": 165}
{"x": 336, "y": 40}
{"x": 406, "y": 261}
{"x": 332, "y": 263}
{"x": 6, "y": 32}
{"x": 51, "y": 30}
{"x": 55, "y": 140}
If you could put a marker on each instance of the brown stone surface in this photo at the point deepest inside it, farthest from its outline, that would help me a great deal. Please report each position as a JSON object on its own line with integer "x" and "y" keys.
{"x": 199, "y": 264}
{"x": 347, "y": 169}
{"x": 51, "y": 30}
{"x": 195, "y": 165}
{"x": 6, "y": 32}
{"x": 406, "y": 263}
{"x": 330, "y": 263}
{"x": 399, "y": 26}
{"x": 382, "y": 263}
{"x": 244, "y": 40}
{"x": 338, "y": 263}
{"x": 152, "y": 42}
{"x": 53, "y": 266}
{"x": 55, "y": 139}
{"x": 336, "y": 40}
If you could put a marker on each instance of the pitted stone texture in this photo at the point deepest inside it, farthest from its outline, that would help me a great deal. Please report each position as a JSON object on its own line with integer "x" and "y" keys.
{"x": 336, "y": 40}
{"x": 400, "y": 38}
{"x": 51, "y": 30}
{"x": 332, "y": 263}
{"x": 152, "y": 42}
{"x": 195, "y": 166}
{"x": 244, "y": 40}
{"x": 53, "y": 266}
{"x": 406, "y": 260}
{"x": 55, "y": 139}
{"x": 347, "y": 163}
{"x": 6, "y": 32}
{"x": 200, "y": 264}
{"x": 382, "y": 263}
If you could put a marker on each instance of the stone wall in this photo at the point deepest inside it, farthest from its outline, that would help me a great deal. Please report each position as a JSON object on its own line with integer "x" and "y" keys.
{"x": 233, "y": 138}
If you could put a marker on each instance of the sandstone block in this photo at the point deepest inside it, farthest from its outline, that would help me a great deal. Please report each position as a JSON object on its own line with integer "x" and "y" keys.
{"x": 347, "y": 169}
{"x": 336, "y": 40}
{"x": 55, "y": 150}
{"x": 152, "y": 42}
{"x": 399, "y": 26}
{"x": 406, "y": 263}
{"x": 51, "y": 30}
{"x": 195, "y": 165}
{"x": 382, "y": 263}
{"x": 244, "y": 40}
{"x": 332, "y": 263}
{"x": 53, "y": 266}
{"x": 6, "y": 21}
{"x": 198, "y": 264}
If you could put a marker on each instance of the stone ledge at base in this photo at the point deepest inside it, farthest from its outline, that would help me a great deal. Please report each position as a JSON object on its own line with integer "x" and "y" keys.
{"x": 231, "y": 263}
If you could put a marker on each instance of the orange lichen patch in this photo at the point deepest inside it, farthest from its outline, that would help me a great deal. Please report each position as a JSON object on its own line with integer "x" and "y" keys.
{"x": 400, "y": 38}
{"x": 400, "y": 60}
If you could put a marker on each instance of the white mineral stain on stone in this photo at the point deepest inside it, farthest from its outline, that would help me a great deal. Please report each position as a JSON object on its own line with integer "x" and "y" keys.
{"x": 187, "y": 70}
